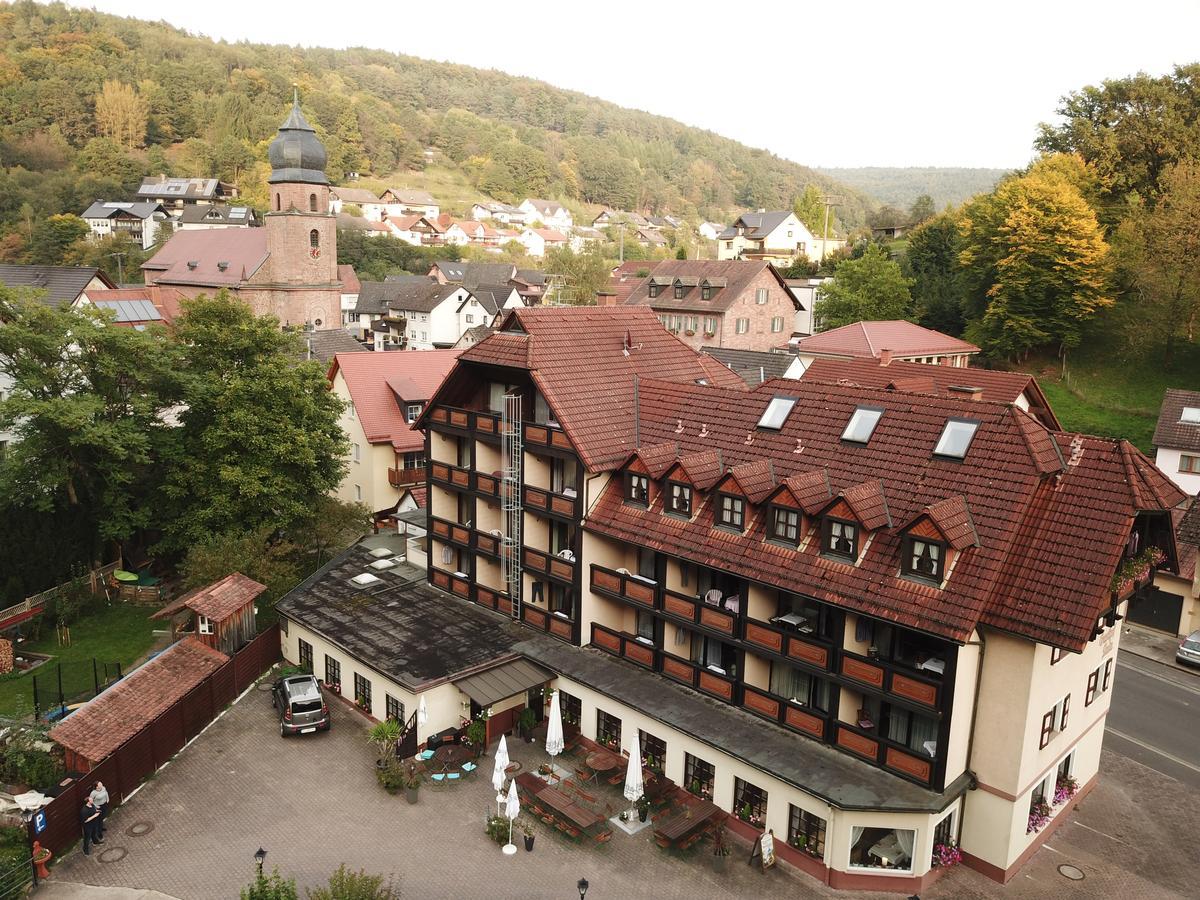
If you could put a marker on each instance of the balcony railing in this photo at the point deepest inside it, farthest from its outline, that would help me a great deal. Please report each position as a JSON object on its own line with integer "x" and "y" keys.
{"x": 700, "y": 677}
{"x": 451, "y": 531}
{"x": 488, "y": 485}
{"x": 888, "y": 754}
{"x": 694, "y": 610}
{"x": 399, "y": 477}
{"x": 564, "y": 505}
{"x": 787, "y": 712}
{"x": 886, "y": 676}
{"x": 624, "y": 645}
{"x": 451, "y": 476}
{"x": 545, "y": 436}
{"x": 785, "y": 643}
{"x": 448, "y": 581}
{"x": 552, "y": 623}
{"x": 493, "y": 599}
{"x": 543, "y": 563}
{"x": 488, "y": 544}
{"x": 484, "y": 423}
{"x": 623, "y": 586}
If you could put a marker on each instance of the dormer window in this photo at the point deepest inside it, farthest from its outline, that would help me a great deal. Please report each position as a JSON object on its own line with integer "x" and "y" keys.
{"x": 637, "y": 489}
{"x": 653, "y": 291}
{"x": 731, "y": 511}
{"x": 840, "y": 538}
{"x": 784, "y": 525}
{"x": 923, "y": 559}
{"x": 706, "y": 292}
{"x": 678, "y": 291}
{"x": 679, "y": 499}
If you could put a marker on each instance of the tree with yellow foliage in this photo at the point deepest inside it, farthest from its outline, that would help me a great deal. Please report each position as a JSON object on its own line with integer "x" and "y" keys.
{"x": 121, "y": 114}
{"x": 1037, "y": 260}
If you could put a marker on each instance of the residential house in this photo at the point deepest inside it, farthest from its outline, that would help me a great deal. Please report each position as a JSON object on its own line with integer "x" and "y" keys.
{"x": 537, "y": 241}
{"x": 582, "y": 238}
{"x": 1177, "y": 439}
{"x": 661, "y": 222}
{"x": 372, "y": 207}
{"x": 776, "y": 236}
{"x": 623, "y": 281}
{"x": 140, "y": 221}
{"x": 499, "y": 212}
{"x": 350, "y": 288}
{"x": 753, "y": 366}
{"x": 56, "y": 285}
{"x": 138, "y": 307}
{"x": 221, "y": 616}
{"x": 176, "y": 194}
{"x": 534, "y": 285}
{"x": 407, "y": 202}
{"x": 551, "y": 214}
{"x": 461, "y": 232}
{"x": 807, "y": 292}
{"x": 890, "y": 340}
{"x": 994, "y": 385}
{"x": 891, "y": 232}
{"x": 531, "y": 284}
{"x": 1172, "y": 605}
{"x": 373, "y": 322}
{"x": 216, "y": 215}
{"x": 650, "y": 238}
{"x": 868, "y": 668}
{"x": 739, "y": 304}
{"x": 473, "y": 336}
{"x": 710, "y": 231}
{"x": 613, "y": 217}
{"x": 383, "y": 395}
{"x": 326, "y": 343}
{"x": 484, "y": 303}
{"x": 415, "y": 229}
{"x": 288, "y": 268}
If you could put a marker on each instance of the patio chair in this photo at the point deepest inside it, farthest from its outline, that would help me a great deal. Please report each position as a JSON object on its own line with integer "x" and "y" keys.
{"x": 469, "y": 769}
{"x": 438, "y": 780}
{"x": 425, "y": 755}
{"x": 453, "y": 776}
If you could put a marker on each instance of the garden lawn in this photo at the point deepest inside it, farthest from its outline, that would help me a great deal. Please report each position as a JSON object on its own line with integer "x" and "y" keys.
{"x": 121, "y": 633}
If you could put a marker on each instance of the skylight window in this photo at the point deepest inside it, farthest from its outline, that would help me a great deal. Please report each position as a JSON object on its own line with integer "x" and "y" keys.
{"x": 364, "y": 579}
{"x": 956, "y": 438}
{"x": 1191, "y": 415}
{"x": 862, "y": 424}
{"x": 776, "y": 413}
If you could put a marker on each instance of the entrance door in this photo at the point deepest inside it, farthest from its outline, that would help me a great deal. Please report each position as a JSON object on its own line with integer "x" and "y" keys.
{"x": 1156, "y": 609}
{"x": 533, "y": 699}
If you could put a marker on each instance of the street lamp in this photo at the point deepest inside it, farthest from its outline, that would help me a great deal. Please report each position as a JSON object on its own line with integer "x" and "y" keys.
{"x": 259, "y": 855}
{"x": 582, "y": 886}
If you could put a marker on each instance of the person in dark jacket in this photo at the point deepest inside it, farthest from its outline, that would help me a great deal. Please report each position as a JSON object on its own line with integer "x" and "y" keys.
{"x": 89, "y": 815}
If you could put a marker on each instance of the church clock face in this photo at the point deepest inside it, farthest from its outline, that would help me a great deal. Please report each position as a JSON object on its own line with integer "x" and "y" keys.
{"x": 314, "y": 252}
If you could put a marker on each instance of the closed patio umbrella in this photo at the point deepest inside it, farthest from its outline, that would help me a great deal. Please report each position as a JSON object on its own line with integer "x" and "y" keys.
{"x": 633, "y": 774}
{"x": 512, "y": 808}
{"x": 422, "y": 712}
{"x": 554, "y": 729}
{"x": 502, "y": 762}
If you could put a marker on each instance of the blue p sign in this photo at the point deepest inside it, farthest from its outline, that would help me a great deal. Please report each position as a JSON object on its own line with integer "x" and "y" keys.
{"x": 39, "y": 822}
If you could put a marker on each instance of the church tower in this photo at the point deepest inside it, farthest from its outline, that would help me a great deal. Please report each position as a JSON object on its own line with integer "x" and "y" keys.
{"x": 301, "y": 231}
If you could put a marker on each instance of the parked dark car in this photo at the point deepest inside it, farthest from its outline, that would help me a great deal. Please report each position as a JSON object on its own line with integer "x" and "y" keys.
{"x": 302, "y": 707}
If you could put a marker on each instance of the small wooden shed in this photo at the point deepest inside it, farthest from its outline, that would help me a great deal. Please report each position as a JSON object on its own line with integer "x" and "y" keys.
{"x": 221, "y": 615}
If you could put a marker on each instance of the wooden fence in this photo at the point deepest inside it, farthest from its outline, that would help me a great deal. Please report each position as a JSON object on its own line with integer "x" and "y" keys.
{"x": 149, "y": 749}
{"x": 30, "y": 606}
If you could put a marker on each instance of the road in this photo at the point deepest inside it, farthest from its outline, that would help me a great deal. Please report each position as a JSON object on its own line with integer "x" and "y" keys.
{"x": 1154, "y": 717}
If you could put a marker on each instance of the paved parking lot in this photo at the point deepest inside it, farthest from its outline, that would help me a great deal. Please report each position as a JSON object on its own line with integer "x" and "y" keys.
{"x": 313, "y": 804}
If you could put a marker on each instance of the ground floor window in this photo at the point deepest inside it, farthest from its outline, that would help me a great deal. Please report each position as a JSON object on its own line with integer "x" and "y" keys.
{"x": 943, "y": 832}
{"x": 749, "y": 802}
{"x": 806, "y": 831}
{"x": 608, "y": 730}
{"x": 571, "y": 708}
{"x": 394, "y": 708}
{"x": 881, "y": 848}
{"x": 698, "y": 775}
{"x": 654, "y": 751}
{"x": 306, "y": 655}
{"x": 362, "y": 693}
{"x": 333, "y": 672}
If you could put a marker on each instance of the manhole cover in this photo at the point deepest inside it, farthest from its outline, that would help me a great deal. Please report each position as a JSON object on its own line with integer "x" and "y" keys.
{"x": 112, "y": 855}
{"x": 265, "y": 686}
{"x": 1073, "y": 872}
{"x": 137, "y": 829}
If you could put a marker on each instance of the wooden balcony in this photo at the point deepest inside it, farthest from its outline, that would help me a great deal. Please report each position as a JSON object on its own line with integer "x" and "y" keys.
{"x": 448, "y": 581}
{"x": 623, "y": 586}
{"x": 786, "y": 643}
{"x": 626, "y": 646}
{"x": 703, "y": 679}
{"x": 892, "y": 756}
{"x": 545, "y": 436}
{"x": 483, "y": 424}
{"x": 488, "y": 485}
{"x": 691, "y": 609}
{"x": 551, "y": 623}
{"x": 782, "y": 710}
{"x": 403, "y": 477}
{"x": 535, "y": 560}
{"x": 562, "y": 505}
{"x": 493, "y": 599}
{"x": 450, "y": 476}
{"x": 892, "y": 679}
{"x": 488, "y": 543}
{"x": 451, "y": 531}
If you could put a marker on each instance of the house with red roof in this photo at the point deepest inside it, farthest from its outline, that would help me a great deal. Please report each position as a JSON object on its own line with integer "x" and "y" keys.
{"x": 888, "y": 340}
{"x": 537, "y": 241}
{"x": 873, "y": 618}
{"x": 221, "y": 615}
{"x": 384, "y": 393}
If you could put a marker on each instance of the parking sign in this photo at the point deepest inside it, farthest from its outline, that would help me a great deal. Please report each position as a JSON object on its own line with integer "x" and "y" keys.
{"x": 39, "y": 821}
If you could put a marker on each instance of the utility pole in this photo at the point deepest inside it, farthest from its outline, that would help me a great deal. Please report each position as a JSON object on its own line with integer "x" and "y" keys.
{"x": 120, "y": 268}
{"x": 622, "y": 223}
{"x": 829, "y": 203}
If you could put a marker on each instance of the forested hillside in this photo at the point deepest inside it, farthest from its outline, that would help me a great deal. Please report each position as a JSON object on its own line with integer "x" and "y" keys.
{"x": 901, "y": 187}
{"x": 91, "y": 102}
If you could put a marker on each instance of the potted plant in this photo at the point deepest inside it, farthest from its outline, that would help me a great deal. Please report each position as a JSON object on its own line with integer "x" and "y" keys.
{"x": 695, "y": 786}
{"x": 528, "y": 837}
{"x": 946, "y": 855}
{"x": 525, "y": 724}
{"x": 412, "y": 785}
{"x": 476, "y": 736}
{"x": 720, "y": 849}
{"x": 745, "y": 814}
{"x": 643, "y": 808}
{"x": 1065, "y": 789}
{"x": 391, "y": 778}
{"x": 1039, "y": 815}
{"x": 383, "y": 736}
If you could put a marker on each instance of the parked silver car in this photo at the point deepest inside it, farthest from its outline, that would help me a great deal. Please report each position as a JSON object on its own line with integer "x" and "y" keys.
{"x": 1189, "y": 650}
{"x": 302, "y": 707}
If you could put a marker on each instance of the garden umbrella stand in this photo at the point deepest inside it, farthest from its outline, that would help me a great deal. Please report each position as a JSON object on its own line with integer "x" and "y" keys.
{"x": 512, "y": 808}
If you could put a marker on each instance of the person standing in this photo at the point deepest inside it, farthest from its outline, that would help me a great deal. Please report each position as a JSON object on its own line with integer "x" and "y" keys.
{"x": 99, "y": 798}
{"x": 87, "y": 818}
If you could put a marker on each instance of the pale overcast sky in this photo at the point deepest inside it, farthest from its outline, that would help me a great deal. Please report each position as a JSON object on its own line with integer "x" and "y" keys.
{"x": 921, "y": 83}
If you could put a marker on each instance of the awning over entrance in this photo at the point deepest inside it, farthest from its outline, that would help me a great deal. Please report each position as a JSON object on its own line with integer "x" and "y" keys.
{"x": 485, "y": 688}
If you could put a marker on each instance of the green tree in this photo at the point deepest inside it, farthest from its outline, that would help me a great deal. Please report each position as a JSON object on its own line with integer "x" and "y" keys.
{"x": 257, "y": 554}
{"x": 54, "y": 237}
{"x": 330, "y": 526}
{"x": 871, "y": 287}
{"x": 104, "y": 157}
{"x": 922, "y": 210}
{"x": 345, "y": 884}
{"x": 104, "y": 253}
{"x": 809, "y": 208}
{"x": 932, "y": 261}
{"x": 1158, "y": 252}
{"x": 259, "y": 437}
{"x": 1036, "y": 253}
{"x": 583, "y": 273}
{"x": 271, "y": 887}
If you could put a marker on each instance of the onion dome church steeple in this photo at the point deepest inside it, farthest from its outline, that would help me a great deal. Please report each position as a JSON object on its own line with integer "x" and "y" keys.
{"x": 296, "y": 156}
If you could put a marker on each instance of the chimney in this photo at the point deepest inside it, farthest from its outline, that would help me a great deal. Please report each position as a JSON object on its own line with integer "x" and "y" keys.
{"x": 885, "y": 357}
{"x": 971, "y": 393}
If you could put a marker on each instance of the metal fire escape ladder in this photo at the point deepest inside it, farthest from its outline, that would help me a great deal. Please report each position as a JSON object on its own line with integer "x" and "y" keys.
{"x": 513, "y": 449}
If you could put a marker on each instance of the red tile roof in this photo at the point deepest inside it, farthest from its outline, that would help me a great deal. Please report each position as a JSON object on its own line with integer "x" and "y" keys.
{"x": 98, "y": 728}
{"x": 612, "y": 345}
{"x": 1018, "y": 504}
{"x": 241, "y": 250}
{"x": 349, "y": 279}
{"x": 659, "y": 458}
{"x": 1172, "y": 433}
{"x": 867, "y": 339}
{"x": 919, "y": 378}
{"x": 756, "y": 479}
{"x": 224, "y": 598}
{"x": 381, "y": 382}
{"x": 811, "y": 489}
{"x": 732, "y": 277}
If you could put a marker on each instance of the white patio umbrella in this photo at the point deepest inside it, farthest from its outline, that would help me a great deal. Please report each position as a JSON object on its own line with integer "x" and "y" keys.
{"x": 633, "y": 774}
{"x": 498, "y": 773}
{"x": 554, "y": 730}
{"x": 422, "y": 712}
{"x": 512, "y": 808}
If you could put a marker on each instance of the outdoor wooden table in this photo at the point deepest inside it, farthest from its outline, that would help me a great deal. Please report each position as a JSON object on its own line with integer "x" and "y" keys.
{"x": 451, "y": 756}
{"x": 579, "y": 816}
{"x": 687, "y": 822}
{"x": 527, "y": 781}
{"x": 602, "y": 760}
